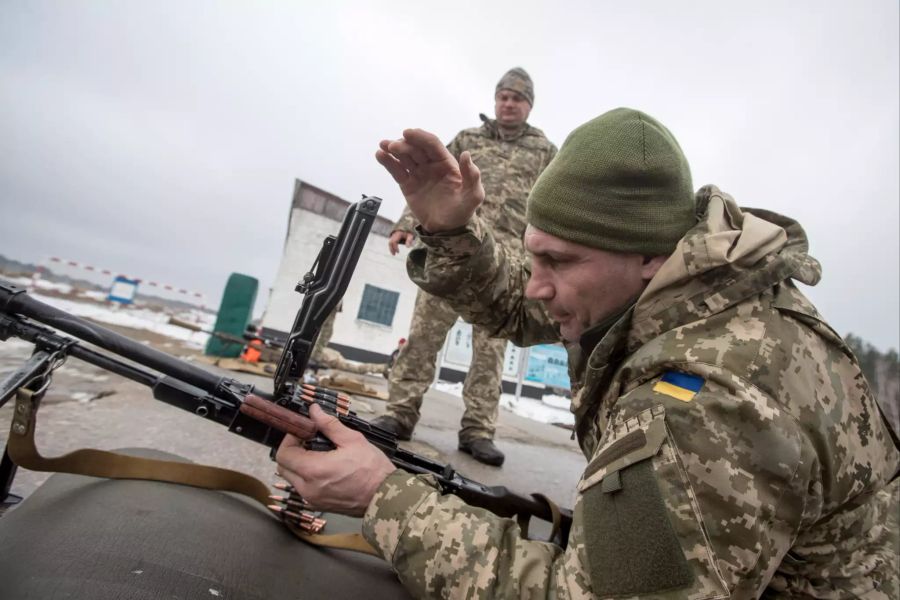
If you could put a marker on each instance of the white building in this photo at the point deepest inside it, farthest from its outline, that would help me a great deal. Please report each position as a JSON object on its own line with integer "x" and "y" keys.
{"x": 378, "y": 304}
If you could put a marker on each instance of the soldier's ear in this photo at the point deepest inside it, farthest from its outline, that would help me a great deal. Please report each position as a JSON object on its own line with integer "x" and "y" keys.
{"x": 651, "y": 265}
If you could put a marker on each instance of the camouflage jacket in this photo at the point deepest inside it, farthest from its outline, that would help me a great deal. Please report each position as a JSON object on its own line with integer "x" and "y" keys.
{"x": 734, "y": 448}
{"x": 509, "y": 167}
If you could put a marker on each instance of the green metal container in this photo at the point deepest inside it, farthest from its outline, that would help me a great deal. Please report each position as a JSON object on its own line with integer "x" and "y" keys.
{"x": 235, "y": 313}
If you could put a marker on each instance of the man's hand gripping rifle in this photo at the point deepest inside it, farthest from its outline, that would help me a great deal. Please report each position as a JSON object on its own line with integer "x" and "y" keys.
{"x": 246, "y": 411}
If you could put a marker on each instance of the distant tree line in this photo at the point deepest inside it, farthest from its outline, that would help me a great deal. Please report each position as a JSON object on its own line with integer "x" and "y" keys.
{"x": 882, "y": 370}
{"x": 15, "y": 267}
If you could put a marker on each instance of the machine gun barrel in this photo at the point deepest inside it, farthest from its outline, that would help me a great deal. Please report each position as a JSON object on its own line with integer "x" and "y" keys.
{"x": 225, "y": 400}
{"x": 14, "y": 300}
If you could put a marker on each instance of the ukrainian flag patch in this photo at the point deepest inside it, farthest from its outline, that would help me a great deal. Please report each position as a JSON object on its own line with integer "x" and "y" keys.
{"x": 682, "y": 386}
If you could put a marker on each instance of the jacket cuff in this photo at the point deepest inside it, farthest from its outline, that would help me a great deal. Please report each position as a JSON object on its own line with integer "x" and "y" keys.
{"x": 464, "y": 241}
{"x": 391, "y": 508}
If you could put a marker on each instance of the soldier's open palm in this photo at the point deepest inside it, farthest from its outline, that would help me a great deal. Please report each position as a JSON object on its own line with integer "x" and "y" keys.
{"x": 441, "y": 192}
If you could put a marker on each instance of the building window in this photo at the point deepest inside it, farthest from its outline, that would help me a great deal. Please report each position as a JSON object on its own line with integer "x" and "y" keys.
{"x": 378, "y": 305}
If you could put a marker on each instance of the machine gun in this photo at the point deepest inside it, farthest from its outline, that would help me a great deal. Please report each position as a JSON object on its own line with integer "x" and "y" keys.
{"x": 244, "y": 410}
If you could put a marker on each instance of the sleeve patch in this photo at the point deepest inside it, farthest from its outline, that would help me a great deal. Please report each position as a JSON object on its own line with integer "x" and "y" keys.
{"x": 681, "y": 386}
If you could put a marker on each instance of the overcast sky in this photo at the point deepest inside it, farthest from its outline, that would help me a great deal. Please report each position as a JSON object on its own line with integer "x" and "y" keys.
{"x": 162, "y": 139}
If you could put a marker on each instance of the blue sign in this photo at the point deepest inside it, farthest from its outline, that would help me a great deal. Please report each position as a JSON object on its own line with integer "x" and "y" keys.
{"x": 548, "y": 364}
{"x": 123, "y": 290}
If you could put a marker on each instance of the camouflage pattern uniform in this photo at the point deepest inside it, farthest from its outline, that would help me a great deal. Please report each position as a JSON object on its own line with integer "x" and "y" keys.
{"x": 325, "y": 333}
{"x": 773, "y": 479}
{"x": 332, "y": 359}
{"x": 509, "y": 164}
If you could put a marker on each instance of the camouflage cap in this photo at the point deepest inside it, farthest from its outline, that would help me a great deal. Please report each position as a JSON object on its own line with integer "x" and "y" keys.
{"x": 517, "y": 80}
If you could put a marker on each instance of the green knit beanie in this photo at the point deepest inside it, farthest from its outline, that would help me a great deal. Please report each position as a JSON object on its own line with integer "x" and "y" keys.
{"x": 620, "y": 183}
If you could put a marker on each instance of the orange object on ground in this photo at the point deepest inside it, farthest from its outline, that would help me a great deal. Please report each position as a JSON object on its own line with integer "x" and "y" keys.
{"x": 252, "y": 351}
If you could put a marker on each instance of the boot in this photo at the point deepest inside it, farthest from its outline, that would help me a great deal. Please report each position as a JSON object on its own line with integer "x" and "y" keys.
{"x": 392, "y": 426}
{"x": 484, "y": 451}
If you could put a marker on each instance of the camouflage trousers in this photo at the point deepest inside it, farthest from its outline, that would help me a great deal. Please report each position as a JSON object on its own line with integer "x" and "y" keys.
{"x": 413, "y": 371}
{"x": 332, "y": 359}
{"x": 325, "y": 333}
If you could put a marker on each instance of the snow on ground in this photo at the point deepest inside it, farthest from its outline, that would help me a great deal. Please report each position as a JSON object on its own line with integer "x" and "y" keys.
{"x": 137, "y": 318}
{"x": 537, "y": 410}
{"x": 550, "y": 409}
{"x": 97, "y": 308}
{"x": 94, "y": 295}
{"x": 43, "y": 284}
{"x": 557, "y": 401}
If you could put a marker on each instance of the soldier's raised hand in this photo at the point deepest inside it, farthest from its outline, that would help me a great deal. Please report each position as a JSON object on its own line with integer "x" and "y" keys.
{"x": 400, "y": 237}
{"x": 441, "y": 192}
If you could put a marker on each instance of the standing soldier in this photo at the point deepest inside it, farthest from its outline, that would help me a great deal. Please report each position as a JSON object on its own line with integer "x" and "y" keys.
{"x": 511, "y": 154}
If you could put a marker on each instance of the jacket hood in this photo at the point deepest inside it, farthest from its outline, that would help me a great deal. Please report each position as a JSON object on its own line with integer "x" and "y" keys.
{"x": 732, "y": 254}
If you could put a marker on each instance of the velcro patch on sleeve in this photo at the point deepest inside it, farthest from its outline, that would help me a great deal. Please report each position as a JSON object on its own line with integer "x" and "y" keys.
{"x": 631, "y": 546}
{"x": 681, "y": 386}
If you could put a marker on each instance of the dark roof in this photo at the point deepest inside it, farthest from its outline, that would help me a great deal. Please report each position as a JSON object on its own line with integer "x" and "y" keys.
{"x": 310, "y": 198}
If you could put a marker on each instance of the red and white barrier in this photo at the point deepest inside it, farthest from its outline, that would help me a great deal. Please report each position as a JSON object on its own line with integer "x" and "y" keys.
{"x": 196, "y": 297}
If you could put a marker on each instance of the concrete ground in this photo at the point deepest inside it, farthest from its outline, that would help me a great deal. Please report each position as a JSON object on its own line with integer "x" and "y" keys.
{"x": 89, "y": 407}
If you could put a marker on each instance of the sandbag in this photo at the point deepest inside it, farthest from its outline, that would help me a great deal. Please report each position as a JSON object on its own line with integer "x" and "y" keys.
{"x": 85, "y": 538}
